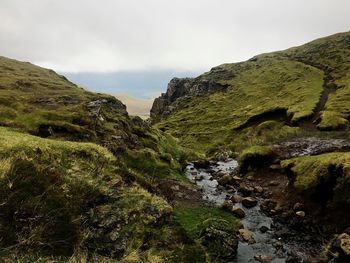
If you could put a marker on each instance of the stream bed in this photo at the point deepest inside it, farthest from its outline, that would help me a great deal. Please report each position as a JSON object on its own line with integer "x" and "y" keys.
{"x": 267, "y": 246}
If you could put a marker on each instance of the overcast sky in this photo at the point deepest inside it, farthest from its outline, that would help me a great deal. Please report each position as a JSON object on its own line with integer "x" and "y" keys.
{"x": 79, "y": 36}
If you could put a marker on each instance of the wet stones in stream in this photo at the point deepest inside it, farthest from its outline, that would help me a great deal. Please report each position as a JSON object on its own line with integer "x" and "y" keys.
{"x": 261, "y": 238}
{"x": 249, "y": 202}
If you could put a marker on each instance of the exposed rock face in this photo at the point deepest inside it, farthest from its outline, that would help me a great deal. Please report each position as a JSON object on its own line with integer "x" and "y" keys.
{"x": 178, "y": 90}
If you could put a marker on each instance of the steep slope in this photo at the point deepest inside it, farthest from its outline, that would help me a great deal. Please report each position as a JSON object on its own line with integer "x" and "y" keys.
{"x": 302, "y": 88}
{"x": 82, "y": 181}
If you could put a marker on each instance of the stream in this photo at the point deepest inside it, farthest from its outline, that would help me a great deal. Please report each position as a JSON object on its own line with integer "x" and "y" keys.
{"x": 264, "y": 249}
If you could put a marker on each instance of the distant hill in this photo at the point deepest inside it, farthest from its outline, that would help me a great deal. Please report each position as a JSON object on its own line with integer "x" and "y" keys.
{"x": 303, "y": 88}
{"x": 135, "y": 106}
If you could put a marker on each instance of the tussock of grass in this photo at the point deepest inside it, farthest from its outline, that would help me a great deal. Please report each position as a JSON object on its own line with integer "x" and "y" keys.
{"x": 191, "y": 218}
{"x": 326, "y": 176}
{"x": 253, "y": 157}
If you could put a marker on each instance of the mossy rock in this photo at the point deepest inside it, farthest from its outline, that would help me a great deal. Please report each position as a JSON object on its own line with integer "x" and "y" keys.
{"x": 253, "y": 157}
{"x": 220, "y": 238}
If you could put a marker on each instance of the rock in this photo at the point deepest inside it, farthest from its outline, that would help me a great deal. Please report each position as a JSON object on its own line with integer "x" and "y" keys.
{"x": 236, "y": 199}
{"x": 220, "y": 239}
{"x": 227, "y": 205}
{"x": 199, "y": 178}
{"x": 180, "y": 89}
{"x": 263, "y": 258}
{"x": 297, "y": 206}
{"x": 225, "y": 179}
{"x": 339, "y": 248}
{"x": 238, "y": 212}
{"x": 236, "y": 180}
{"x": 258, "y": 189}
{"x": 300, "y": 214}
{"x": 273, "y": 183}
{"x": 194, "y": 173}
{"x": 263, "y": 229}
{"x": 249, "y": 202}
{"x": 245, "y": 190}
{"x": 201, "y": 164}
{"x": 275, "y": 167}
{"x": 246, "y": 236}
{"x": 278, "y": 244}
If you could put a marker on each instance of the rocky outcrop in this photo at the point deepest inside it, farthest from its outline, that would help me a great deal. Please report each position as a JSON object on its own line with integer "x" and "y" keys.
{"x": 179, "y": 89}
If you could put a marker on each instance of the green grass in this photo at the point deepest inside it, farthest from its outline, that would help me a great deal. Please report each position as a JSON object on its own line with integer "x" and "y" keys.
{"x": 191, "y": 218}
{"x": 258, "y": 87}
{"x": 291, "y": 80}
{"x": 321, "y": 175}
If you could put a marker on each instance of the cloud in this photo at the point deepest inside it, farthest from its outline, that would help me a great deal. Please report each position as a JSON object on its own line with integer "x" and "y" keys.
{"x": 128, "y": 35}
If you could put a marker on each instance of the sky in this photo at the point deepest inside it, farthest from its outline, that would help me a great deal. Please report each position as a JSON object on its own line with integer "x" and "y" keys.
{"x": 137, "y": 46}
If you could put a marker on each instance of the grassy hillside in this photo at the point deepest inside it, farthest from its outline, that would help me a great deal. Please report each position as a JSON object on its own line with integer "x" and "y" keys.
{"x": 82, "y": 181}
{"x": 302, "y": 89}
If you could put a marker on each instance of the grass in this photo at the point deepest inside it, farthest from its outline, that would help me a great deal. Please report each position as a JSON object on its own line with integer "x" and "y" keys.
{"x": 290, "y": 80}
{"x": 51, "y": 206}
{"x": 325, "y": 175}
{"x": 191, "y": 218}
{"x": 34, "y": 98}
{"x": 257, "y": 87}
{"x": 254, "y": 156}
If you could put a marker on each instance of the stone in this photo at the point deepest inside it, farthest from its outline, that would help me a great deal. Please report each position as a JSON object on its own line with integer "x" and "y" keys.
{"x": 263, "y": 258}
{"x": 199, "y": 178}
{"x": 263, "y": 229}
{"x": 225, "y": 179}
{"x": 219, "y": 238}
{"x": 247, "y": 236}
{"x": 342, "y": 242}
{"x": 227, "y": 205}
{"x": 300, "y": 214}
{"x": 245, "y": 190}
{"x": 258, "y": 189}
{"x": 297, "y": 206}
{"x": 238, "y": 212}
{"x": 275, "y": 167}
{"x": 236, "y": 199}
{"x": 236, "y": 180}
{"x": 273, "y": 183}
{"x": 249, "y": 202}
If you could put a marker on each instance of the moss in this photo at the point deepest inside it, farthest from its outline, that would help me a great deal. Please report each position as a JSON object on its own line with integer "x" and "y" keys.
{"x": 332, "y": 121}
{"x": 324, "y": 177}
{"x": 253, "y": 157}
{"x": 191, "y": 218}
{"x": 256, "y": 88}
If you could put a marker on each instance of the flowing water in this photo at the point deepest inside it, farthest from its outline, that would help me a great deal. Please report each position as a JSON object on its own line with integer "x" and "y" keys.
{"x": 253, "y": 220}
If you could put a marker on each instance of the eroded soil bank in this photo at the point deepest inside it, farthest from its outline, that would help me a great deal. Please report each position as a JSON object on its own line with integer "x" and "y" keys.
{"x": 276, "y": 225}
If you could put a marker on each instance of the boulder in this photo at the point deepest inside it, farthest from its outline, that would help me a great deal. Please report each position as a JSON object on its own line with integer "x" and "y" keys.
{"x": 225, "y": 179}
{"x": 238, "y": 212}
{"x": 339, "y": 248}
{"x": 236, "y": 199}
{"x": 245, "y": 190}
{"x": 246, "y": 235}
{"x": 220, "y": 239}
{"x": 249, "y": 202}
{"x": 258, "y": 189}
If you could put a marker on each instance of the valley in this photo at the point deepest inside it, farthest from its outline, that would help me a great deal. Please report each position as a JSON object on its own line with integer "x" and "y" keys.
{"x": 248, "y": 162}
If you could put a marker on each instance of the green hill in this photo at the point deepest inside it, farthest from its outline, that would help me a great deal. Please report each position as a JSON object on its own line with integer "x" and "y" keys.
{"x": 82, "y": 181}
{"x": 301, "y": 89}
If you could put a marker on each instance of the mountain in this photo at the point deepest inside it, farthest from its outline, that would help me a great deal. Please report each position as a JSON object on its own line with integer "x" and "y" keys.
{"x": 285, "y": 117}
{"x": 305, "y": 87}
{"x": 82, "y": 181}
